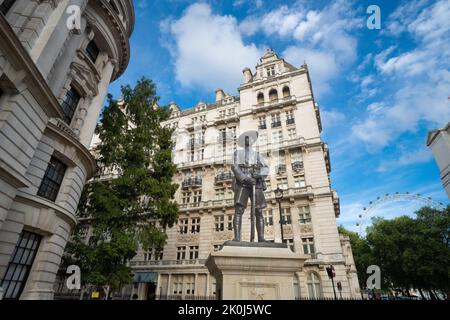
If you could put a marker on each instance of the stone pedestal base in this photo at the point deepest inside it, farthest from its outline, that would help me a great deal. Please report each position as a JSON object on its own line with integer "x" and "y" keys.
{"x": 255, "y": 271}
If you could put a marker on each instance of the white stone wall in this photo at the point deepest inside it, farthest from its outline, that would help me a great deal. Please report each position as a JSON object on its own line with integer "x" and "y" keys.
{"x": 317, "y": 194}
{"x": 40, "y": 58}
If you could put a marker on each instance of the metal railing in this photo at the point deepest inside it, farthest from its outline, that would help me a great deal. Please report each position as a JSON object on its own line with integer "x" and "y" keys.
{"x": 143, "y": 263}
{"x": 297, "y": 165}
{"x": 221, "y": 177}
{"x": 191, "y": 182}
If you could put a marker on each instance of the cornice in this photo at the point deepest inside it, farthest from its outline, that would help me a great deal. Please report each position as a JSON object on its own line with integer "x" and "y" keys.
{"x": 72, "y": 140}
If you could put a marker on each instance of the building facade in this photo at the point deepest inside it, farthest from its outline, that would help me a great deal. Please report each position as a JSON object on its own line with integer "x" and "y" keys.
{"x": 439, "y": 142}
{"x": 57, "y": 58}
{"x": 277, "y": 101}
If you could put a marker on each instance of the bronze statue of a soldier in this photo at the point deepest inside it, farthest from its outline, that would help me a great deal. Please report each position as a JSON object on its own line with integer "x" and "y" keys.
{"x": 250, "y": 170}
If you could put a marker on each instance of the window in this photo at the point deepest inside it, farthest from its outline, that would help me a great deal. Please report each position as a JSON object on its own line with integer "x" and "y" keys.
{"x": 277, "y": 136}
{"x": 20, "y": 264}
{"x": 308, "y": 245}
{"x": 200, "y": 155}
{"x": 268, "y": 186}
{"x": 184, "y": 226}
{"x": 286, "y": 215}
{"x": 304, "y": 215}
{"x": 195, "y": 225}
{"x": 260, "y": 98}
{"x": 286, "y": 92}
{"x": 178, "y": 286}
{"x": 53, "y": 177}
{"x": 299, "y": 182}
{"x": 193, "y": 252}
{"x": 262, "y": 123}
{"x": 290, "y": 243}
{"x": 230, "y": 222}
{"x": 314, "y": 286}
{"x": 219, "y": 223}
{"x": 92, "y": 51}
{"x": 292, "y": 134}
{"x": 276, "y": 121}
{"x": 181, "y": 253}
{"x": 273, "y": 95}
{"x": 270, "y": 71}
{"x": 290, "y": 117}
{"x": 268, "y": 217}
{"x": 262, "y": 139}
{"x": 186, "y": 197}
{"x": 282, "y": 183}
{"x": 6, "y": 5}
{"x": 190, "y": 286}
{"x": 220, "y": 194}
{"x": 197, "y": 196}
{"x": 70, "y": 103}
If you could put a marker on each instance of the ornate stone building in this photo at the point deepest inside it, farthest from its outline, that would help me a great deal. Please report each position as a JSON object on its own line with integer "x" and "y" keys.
{"x": 277, "y": 101}
{"x": 439, "y": 142}
{"x": 57, "y": 58}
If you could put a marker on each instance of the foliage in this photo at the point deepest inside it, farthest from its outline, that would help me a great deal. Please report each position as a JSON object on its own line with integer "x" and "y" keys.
{"x": 121, "y": 210}
{"x": 413, "y": 253}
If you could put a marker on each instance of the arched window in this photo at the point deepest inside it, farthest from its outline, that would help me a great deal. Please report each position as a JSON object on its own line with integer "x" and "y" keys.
{"x": 286, "y": 92}
{"x": 273, "y": 95}
{"x": 260, "y": 98}
{"x": 314, "y": 285}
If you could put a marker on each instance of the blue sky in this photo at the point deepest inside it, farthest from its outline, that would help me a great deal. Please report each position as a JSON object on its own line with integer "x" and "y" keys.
{"x": 380, "y": 91}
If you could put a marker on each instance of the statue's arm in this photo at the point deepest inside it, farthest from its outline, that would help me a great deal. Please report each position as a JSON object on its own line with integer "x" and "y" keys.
{"x": 240, "y": 176}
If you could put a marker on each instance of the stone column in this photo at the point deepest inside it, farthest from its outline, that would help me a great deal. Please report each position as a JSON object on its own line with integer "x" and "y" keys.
{"x": 93, "y": 111}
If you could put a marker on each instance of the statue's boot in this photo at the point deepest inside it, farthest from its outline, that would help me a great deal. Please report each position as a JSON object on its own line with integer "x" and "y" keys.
{"x": 237, "y": 224}
{"x": 260, "y": 228}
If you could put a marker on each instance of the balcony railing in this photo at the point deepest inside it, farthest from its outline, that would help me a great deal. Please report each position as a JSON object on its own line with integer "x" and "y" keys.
{"x": 192, "y": 182}
{"x": 297, "y": 165}
{"x": 223, "y": 177}
{"x": 226, "y": 138}
{"x": 290, "y": 121}
{"x": 262, "y": 126}
{"x": 196, "y": 142}
{"x": 144, "y": 263}
{"x": 276, "y": 124}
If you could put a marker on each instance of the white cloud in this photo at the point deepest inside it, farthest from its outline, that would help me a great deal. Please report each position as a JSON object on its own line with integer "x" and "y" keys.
{"x": 421, "y": 155}
{"x": 421, "y": 76}
{"x": 322, "y": 38}
{"x": 208, "y": 49}
{"x": 331, "y": 118}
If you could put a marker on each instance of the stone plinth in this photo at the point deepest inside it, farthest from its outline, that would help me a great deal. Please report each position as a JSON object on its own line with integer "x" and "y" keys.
{"x": 251, "y": 271}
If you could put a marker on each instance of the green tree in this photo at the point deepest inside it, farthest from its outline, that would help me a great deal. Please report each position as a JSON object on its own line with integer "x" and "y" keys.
{"x": 138, "y": 150}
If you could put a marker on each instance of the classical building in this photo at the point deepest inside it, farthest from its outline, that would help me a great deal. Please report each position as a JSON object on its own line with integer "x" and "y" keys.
{"x": 57, "y": 58}
{"x": 278, "y": 101}
{"x": 439, "y": 142}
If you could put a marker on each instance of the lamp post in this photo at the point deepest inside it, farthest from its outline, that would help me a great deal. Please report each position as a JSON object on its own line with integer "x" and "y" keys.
{"x": 279, "y": 197}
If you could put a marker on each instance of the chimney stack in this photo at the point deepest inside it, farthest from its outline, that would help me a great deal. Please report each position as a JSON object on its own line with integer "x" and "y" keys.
{"x": 248, "y": 76}
{"x": 219, "y": 95}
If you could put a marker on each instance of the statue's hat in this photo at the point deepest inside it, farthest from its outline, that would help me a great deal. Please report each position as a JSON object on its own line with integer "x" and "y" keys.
{"x": 252, "y": 137}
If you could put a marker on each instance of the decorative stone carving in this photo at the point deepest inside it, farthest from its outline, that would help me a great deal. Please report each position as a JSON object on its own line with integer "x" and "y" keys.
{"x": 187, "y": 238}
{"x": 223, "y": 235}
{"x": 306, "y": 228}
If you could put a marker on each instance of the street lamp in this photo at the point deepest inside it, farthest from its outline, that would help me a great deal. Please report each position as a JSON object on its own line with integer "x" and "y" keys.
{"x": 279, "y": 196}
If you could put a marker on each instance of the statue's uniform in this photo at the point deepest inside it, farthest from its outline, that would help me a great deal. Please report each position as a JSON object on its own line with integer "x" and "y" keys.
{"x": 256, "y": 167}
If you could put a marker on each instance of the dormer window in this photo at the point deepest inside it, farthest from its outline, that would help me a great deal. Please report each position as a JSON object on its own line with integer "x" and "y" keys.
{"x": 92, "y": 51}
{"x": 270, "y": 71}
